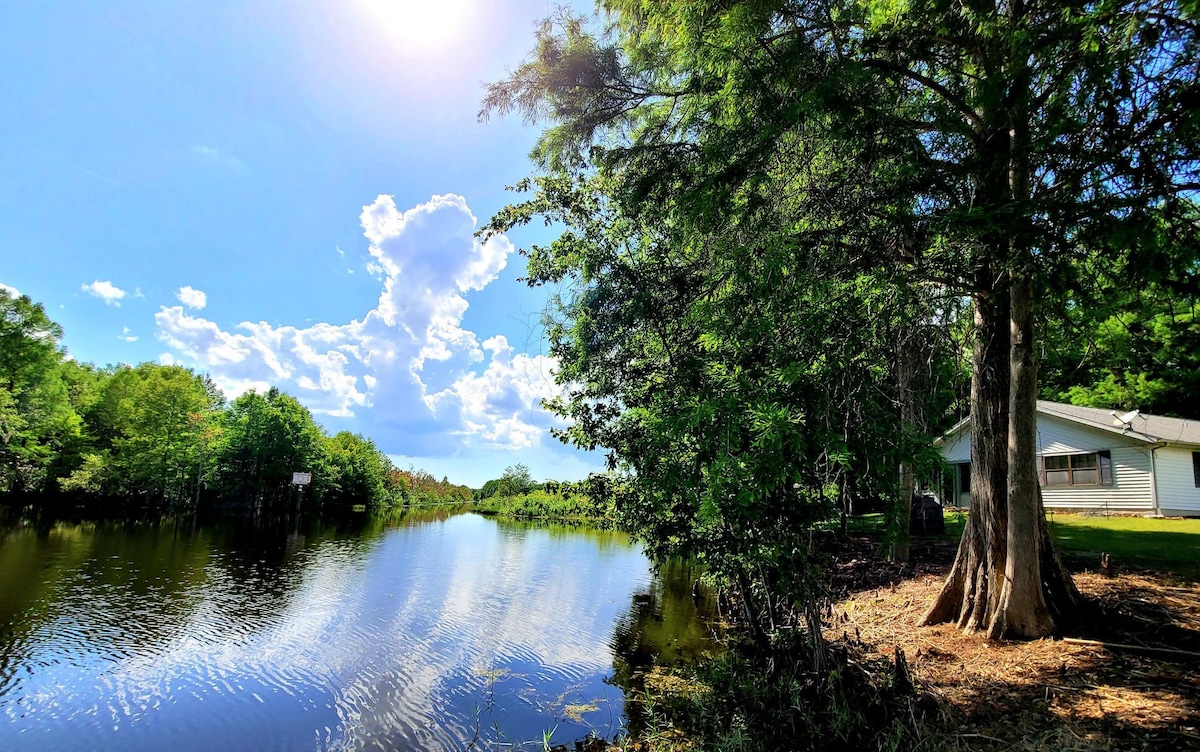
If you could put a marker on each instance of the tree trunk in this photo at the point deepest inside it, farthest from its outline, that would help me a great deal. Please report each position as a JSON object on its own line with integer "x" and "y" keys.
{"x": 972, "y": 590}
{"x": 898, "y": 532}
{"x": 1022, "y": 609}
{"x": 1007, "y": 578}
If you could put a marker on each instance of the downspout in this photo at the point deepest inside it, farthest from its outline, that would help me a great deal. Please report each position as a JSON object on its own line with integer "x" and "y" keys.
{"x": 1154, "y": 477}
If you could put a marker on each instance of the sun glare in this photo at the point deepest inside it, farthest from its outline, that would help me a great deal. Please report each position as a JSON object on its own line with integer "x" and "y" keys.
{"x": 420, "y": 27}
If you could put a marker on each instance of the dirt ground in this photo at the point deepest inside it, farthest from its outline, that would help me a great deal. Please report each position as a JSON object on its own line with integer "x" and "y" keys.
{"x": 1050, "y": 694}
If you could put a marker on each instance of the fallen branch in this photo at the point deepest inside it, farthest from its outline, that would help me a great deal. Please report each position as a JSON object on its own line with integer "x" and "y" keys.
{"x": 1133, "y": 648}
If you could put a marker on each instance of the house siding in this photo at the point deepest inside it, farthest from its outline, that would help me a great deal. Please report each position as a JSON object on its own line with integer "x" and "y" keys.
{"x": 958, "y": 447}
{"x": 1059, "y": 436}
{"x": 1129, "y": 493}
{"x": 1177, "y": 492}
{"x": 1132, "y": 488}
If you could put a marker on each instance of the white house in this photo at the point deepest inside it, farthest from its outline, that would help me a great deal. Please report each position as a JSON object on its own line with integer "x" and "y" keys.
{"x": 1093, "y": 460}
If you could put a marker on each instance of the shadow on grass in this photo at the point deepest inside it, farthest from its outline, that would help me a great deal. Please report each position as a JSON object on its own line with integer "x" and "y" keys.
{"x": 1160, "y": 549}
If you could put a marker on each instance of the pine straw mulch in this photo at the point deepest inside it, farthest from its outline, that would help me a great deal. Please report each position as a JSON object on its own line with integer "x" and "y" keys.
{"x": 1043, "y": 695}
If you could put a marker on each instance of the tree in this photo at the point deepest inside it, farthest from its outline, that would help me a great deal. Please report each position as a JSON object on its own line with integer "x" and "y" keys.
{"x": 1126, "y": 334}
{"x": 164, "y": 412}
{"x": 36, "y": 417}
{"x": 356, "y": 471}
{"x": 516, "y": 481}
{"x": 977, "y": 147}
{"x": 264, "y": 439}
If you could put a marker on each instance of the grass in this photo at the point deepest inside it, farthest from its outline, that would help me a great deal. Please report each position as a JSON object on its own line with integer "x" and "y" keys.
{"x": 544, "y": 505}
{"x": 1139, "y": 542}
{"x": 1164, "y": 545}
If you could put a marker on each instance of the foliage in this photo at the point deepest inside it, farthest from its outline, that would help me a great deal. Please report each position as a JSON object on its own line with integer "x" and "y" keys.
{"x": 760, "y": 198}
{"x": 420, "y": 488}
{"x": 1126, "y": 335}
{"x": 546, "y": 505}
{"x": 357, "y": 472}
{"x": 264, "y": 439}
{"x": 36, "y": 419}
{"x": 158, "y": 453}
{"x": 734, "y": 702}
{"x": 165, "y": 435}
{"x": 727, "y": 330}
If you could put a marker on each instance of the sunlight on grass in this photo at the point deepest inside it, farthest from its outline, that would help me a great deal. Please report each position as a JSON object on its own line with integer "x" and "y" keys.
{"x": 1137, "y": 541}
{"x": 1141, "y": 542}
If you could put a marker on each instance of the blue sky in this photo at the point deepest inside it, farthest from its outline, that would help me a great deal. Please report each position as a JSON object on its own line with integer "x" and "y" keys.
{"x": 284, "y": 193}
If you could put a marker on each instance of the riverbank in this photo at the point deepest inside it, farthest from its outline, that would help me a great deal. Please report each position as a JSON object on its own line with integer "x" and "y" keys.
{"x": 1124, "y": 676}
{"x": 543, "y": 505}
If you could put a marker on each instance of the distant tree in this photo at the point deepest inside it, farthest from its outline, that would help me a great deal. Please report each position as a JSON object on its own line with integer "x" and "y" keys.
{"x": 516, "y": 481}
{"x": 264, "y": 439}
{"x": 356, "y": 472}
{"x": 165, "y": 414}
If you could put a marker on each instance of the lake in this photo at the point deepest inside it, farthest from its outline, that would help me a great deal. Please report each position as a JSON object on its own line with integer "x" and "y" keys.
{"x": 427, "y": 631}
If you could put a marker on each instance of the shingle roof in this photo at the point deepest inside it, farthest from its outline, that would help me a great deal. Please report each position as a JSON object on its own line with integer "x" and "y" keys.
{"x": 1148, "y": 428}
{"x": 1153, "y": 428}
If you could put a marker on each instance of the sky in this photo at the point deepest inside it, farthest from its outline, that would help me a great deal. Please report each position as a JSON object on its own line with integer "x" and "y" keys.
{"x": 285, "y": 194}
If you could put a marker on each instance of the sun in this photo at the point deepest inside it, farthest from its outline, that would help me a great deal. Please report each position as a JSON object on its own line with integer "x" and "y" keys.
{"x": 420, "y": 27}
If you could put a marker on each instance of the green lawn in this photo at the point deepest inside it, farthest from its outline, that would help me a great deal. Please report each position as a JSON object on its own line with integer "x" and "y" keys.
{"x": 1140, "y": 542}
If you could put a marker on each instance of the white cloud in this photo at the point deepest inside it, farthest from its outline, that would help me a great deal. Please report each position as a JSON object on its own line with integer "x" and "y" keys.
{"x": 12, "y": 291}
{"x": 502, "y": 405}
{"x": 106, "y": 291}
{"x": 407, "y": 356}
{"x": 126, "y": 336}
{"x": 191, "y": 297}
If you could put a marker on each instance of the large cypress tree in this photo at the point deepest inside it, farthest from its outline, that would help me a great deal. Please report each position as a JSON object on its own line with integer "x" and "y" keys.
{"x": 979, "y": 147}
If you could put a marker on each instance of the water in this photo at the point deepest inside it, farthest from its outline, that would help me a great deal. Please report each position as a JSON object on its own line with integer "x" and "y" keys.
{"x": 425, "y": 633}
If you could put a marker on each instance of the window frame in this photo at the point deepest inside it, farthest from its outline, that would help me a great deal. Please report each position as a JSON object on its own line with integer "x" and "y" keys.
{"x": 1103, "y": 468}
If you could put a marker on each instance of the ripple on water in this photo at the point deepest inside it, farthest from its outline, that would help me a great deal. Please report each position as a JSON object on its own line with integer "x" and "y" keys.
{"x": 421, "y": 638}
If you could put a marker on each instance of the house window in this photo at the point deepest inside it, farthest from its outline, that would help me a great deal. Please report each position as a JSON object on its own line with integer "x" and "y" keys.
{"x": 1196, "y": 468}
{"x": 1091, "y": 469}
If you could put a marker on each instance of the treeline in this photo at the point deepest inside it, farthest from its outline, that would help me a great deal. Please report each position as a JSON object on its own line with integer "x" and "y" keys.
{"x": 166, "y": 435}
{"x": 516, "y": 494}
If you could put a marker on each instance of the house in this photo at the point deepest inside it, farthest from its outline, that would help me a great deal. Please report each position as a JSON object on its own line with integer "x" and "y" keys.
{"x": 1093, "y": 460}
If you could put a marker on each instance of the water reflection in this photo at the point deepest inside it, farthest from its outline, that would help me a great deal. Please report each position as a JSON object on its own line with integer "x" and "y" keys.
{"x": 420, "y": 632}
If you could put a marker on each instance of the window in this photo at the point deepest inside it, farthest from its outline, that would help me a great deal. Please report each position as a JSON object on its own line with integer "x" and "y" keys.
{"x": 1091, "y": 469}
{"x": 1196, "y": 468}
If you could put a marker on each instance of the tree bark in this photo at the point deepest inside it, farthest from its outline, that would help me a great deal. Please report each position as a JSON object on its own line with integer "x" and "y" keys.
{"x": 1007, "y": 578}
{"x": 971, "y": 592}
{"x": 1022, "y": 608}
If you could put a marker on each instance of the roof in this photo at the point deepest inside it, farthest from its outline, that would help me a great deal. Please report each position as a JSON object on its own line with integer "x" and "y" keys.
{"x": 1149, "y": 428}
{"x": 1152, "y": 428}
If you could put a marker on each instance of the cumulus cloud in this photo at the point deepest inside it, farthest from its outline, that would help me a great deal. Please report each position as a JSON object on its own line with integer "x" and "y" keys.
{"x": 502, "y": 405}
{"x": 106, "y": 291}
{"x": 126, "y": 336}
{"x": 12, "y": 291}
{"x": 408, "y": 358}
{"x": 191, "y": 297}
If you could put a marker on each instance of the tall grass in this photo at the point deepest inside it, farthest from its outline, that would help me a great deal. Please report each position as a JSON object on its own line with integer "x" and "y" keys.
{"x": 546, "y": 505}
